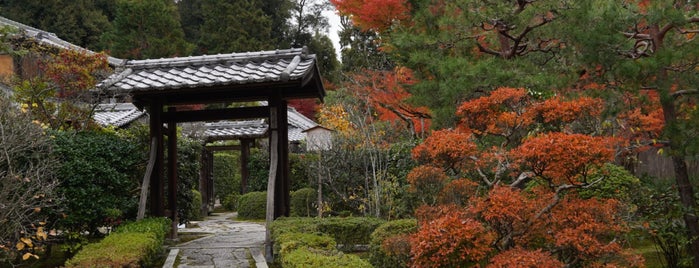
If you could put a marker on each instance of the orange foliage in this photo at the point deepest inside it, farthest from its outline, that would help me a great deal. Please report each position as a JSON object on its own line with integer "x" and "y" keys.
{"x": 427, "y": 181}
{"x": 454, "y": 240}
{"x": 457, "y": 191}
{"x": 74, "y": 72}
{"x": 524, "y": 258}
{"x": 424, "y": 214}
{"x": 376, "y": 15}
{"x": 543, "y": 226}
{"x": 446, "y": 148}
{"x": 566, "y": 111}
{"x": 585, "y": 225}
{"x": 559, "y": 156}
{"x": 500, "y": 113}
{"x": 385, "y": 93}
{"x": 644, "y": 117}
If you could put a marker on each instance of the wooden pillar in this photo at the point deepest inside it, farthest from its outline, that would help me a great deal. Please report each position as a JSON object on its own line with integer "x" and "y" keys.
{"x": 282, "y": 198}
{"x": 203, "y": 181}
{"x": 156, "y": 181}
{"x": 172, "y": 174}
{"x": 244, "y": 158}
{"x": 210, "y": 181}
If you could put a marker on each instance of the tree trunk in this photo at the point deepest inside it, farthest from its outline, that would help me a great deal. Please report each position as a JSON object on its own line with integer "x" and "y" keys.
{"x": 684, "y": 186}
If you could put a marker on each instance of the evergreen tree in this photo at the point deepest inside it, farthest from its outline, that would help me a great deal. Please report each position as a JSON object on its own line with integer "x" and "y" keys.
{"x": 464, "y": 49}
{"x": 361, "y": 49}
{"x": 323, "y": 48}
{"x": 234, "y": 26}
{"x": 80, "y": 22}
{"x": 146, "y": 29}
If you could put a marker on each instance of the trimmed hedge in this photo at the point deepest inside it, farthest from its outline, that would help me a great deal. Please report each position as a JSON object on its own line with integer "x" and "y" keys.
{"x": 389, "y": 246}
{"x": 311, "y": 242}
{"x": 293, "y": 241}
{"x": 303, "y": 203}
{"x": 350, "y": 231}
{"x": 311, "y": 258}
{"x": 252, "y": 205}
{"x": 135, "y": 244}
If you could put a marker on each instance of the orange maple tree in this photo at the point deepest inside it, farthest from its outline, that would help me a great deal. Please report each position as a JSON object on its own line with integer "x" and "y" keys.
{"x": 374, "y": 14}
{"x": 531, "y": 155}
{"x": 385, "y": 94}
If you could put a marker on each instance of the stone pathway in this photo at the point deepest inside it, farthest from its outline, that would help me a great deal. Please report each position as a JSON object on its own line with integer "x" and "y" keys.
{"x": 227, "y": 243}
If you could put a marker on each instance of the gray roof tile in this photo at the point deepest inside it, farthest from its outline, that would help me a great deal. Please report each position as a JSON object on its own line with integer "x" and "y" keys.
{"x": 211, "y": 70}
{"x": 116, "y": 114}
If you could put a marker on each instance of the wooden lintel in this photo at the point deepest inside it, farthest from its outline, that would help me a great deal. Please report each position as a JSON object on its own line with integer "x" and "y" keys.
{"x": 214, "y": 148}
{"x": 217, "y": 114}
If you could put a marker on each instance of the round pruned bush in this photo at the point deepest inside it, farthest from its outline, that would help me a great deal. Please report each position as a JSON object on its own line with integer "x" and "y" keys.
{"x": 303, "y": 203}
{"x": 390, "y": 246}
{"x": 252, "y": 205}
{"x": 230, "y": 201}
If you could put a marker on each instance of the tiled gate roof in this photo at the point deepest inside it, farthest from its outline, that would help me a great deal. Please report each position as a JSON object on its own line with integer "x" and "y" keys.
{"x": 235, "y": 69}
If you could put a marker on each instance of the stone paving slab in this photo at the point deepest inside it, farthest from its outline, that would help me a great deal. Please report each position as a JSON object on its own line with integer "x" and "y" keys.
{"x": 227, "y": 244}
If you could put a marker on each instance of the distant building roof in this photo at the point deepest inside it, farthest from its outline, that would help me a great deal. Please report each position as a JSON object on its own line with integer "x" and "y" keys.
{"x": 117, "y": 114}
{"x": 226, "y": 130}
{"x": 50, "y": 39}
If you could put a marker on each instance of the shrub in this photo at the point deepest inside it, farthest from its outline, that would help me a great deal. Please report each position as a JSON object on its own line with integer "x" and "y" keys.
{"x": 308, "y": 257}
{"x": 97, "y": 177}
{"x": 389, "y": 241}
{"x": 253, "y": 205}
{"x": 27, "y": 181}
{"x": 284, "y": 225}
{"x": 194, "y": 211}
{"x": 350, "y": 231}
{"x": 292, "y": 241}
{"x": 303, "y": 203}
{"x": 134, "y": 244}
{"x": 230, "y": 202}
{"x": 226, "y": 174}
{"x": 258, "y": 165}
{"x": 188, "y": 155}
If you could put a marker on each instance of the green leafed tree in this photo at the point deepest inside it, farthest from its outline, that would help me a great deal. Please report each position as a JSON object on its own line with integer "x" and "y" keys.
{"x": 146, "y": 29}
{"x": 649, "y": 50}
{"x": 81, "y": 22}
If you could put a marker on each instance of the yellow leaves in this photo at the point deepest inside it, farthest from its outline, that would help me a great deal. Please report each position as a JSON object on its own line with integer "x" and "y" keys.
{"x": 20, "y": 246}
{"x": 27, "y": 255}
{"x": 41, "y": 234}
{"x": 336, "y": 118}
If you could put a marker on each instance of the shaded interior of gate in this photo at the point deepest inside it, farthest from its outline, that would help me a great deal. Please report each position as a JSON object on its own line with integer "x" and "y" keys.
{"x": 162, "y": 85}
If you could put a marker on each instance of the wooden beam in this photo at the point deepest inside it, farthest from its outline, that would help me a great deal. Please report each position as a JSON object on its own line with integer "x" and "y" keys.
{"x": 217, "y": 114}
{"x": 215, "y": 148}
